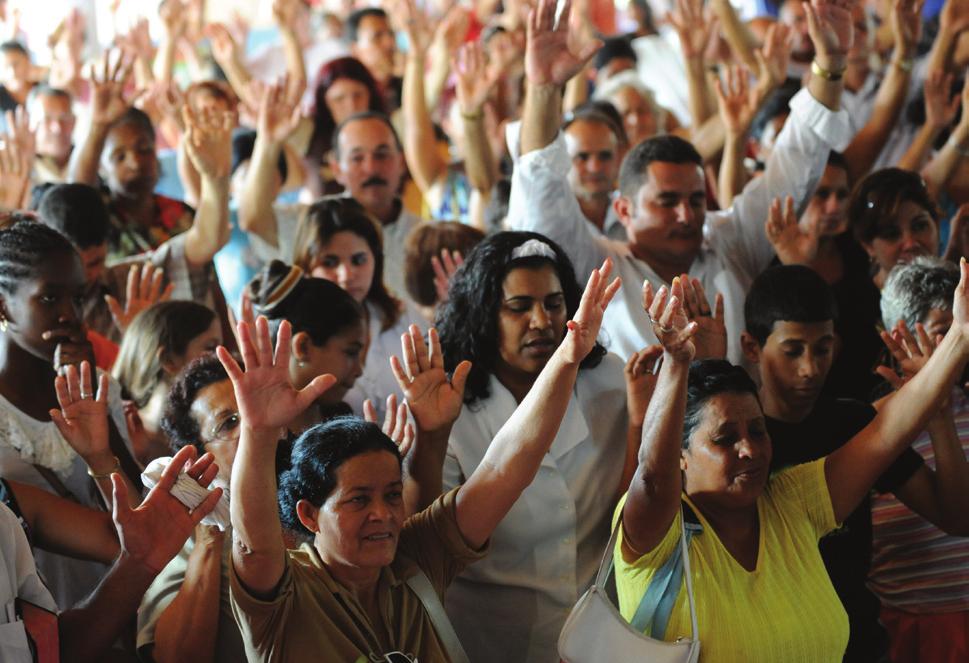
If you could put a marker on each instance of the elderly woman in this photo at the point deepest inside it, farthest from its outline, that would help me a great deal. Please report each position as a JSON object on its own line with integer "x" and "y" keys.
{"x": 507, "y": 312}
{"x": 919, "y": 571}
{"x": 706, "y": 451}
{"x": 344, "y": 489}
{"x": 642, "y": 117}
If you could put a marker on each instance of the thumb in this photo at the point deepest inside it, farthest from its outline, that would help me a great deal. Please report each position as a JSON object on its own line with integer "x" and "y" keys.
{"x": 120, "y": 510}
{"x": 890, "y": 376}
{"x": 589, "y": 50}
{"x": 315, "y": 389}
{"x": 60, "y": 422}
{"x": 460, "y": 377}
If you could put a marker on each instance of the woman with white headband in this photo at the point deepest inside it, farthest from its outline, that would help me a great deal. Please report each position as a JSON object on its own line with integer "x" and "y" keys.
{"x": 506, "y": 312}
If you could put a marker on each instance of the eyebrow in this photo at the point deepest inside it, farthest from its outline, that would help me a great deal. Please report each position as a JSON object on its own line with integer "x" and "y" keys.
{"x": 557, "y": 293}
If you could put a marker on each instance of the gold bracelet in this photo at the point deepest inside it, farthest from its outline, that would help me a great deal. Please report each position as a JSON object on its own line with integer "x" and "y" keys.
{"x": 105, "y": 475}
{"x": 472, "y": 117}
{"x": 832, "y": 76}
{"x": 905, "y": 64}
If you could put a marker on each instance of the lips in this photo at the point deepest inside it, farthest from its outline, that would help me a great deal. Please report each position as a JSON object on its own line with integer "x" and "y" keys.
{"x": 379, "y": 537}
{"x": 540, "y": 345}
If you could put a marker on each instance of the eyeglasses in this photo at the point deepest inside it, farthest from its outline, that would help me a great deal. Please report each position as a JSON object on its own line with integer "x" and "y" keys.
{"x": 398, "y": 657}
{"x": 225, "y": 429}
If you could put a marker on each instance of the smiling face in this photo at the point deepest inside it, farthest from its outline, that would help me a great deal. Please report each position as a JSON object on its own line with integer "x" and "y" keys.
{"x": 728, "y": 460}
{"x": 49, "y": 300}
{"x": 909, "y": 233}
{"x": 347, "y": 261}
{"x": 531, "y": 320}
{"x": 793, "y": 363}
{"x": 358, "y": 525}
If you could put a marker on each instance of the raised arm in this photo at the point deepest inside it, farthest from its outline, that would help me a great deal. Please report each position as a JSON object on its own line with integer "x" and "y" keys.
{"x": 436, "y": 401}
{"x": 279, "y": 116}
{"x": 474, "y": 85}
{"x": 174, "y": 24}
{"x": 150, "y": 535}
{"x": 516, "y": 453}
{"x": 941, "y": 107}
{"x": 742, "y": 42}
{"x": 228, "y": 55}
{"x": 285, "y": 15}
{"x": 208, "y": 142}
{"x": 694, "y": 31}
{"x": 654, "y": 493}
{"x": 860, "y": 155}
{"x": 737, "y": 109}
{"x": 852, "y": 470}
{"x": 267, "y": 402}
{"x": 940, "y": 169}
{"x": 107, "y": 83}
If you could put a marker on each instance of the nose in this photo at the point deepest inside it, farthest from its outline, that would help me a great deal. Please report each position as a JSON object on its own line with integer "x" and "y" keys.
{"x": 684, "y": 212}
{"x": 831, "y": 204}
{"x": 380, "y": 510}
{"x": 343, "y": 274}
{"x": 540, "y": 318}
{"x": 909, "y": 240}
{"x": 747, "y": 449}
{"x": 808, "y": 366}
{"x": 358, "y": 366}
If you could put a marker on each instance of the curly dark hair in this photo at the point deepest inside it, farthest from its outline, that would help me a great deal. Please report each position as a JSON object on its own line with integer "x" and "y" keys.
{"x": 468, "y": 321}
{"x": 177, "y": 422}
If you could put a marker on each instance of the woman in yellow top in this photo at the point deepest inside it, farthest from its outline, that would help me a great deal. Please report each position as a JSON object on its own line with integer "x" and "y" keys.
{"x": 762, "y": 593}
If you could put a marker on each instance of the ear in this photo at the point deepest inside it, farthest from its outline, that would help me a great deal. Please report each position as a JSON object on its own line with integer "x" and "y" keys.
{"x": 307, "y": 514}
{"x": 751, "y": 348}
{"x": 624, "y": 208}
{"x": 165, "y": 360}
{"x": 683, "y": 460}
{"x": 334, "y": 164}
{"x": 300, "y": 346}
{"x": 869, "y": 249}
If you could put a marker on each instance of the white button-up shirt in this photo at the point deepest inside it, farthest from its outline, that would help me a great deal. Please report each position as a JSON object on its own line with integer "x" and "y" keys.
{"x": 510, "y": 606}
{"x": 735, "y": 247}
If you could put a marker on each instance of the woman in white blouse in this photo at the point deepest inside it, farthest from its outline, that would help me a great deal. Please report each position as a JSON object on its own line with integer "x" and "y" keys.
{"x": 339, "y": 241}
{"x": 506, "y": 312}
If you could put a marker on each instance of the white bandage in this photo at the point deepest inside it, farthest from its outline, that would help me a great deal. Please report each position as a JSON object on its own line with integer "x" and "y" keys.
{"x": 187, "y": 491}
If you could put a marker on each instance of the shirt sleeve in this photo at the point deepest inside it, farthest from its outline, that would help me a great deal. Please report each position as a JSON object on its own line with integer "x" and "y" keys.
{"x": 433, "y": 539}
{"x": 541, "y": 201}
{"x": 262, "y": 622}
{"x": 804, "y": 488}
{"x": 793, "y": 169}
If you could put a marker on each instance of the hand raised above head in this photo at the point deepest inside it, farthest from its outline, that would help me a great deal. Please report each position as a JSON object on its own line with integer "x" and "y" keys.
{"x": 108, "y": 102}
{"x": 208, "y": 140}
{"x": 267, "y": 399}
{"x": 395, "y": 425}
{"x": 832, "y": 31}
{"x": 552, "y": 54}
{"x": 672, "y": 327}
{"x": 583, "y": 328}
{"x": 83, "y": 417}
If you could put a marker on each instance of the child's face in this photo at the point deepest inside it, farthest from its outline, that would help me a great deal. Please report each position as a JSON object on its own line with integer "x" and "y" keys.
{"x": 793, "y": 365}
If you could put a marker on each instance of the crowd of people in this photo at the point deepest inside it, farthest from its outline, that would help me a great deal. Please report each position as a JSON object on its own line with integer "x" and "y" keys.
{"x": 381, "y": 341}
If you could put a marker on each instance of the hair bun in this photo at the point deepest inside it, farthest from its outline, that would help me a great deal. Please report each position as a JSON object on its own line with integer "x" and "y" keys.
{"x": 272, "y": 286}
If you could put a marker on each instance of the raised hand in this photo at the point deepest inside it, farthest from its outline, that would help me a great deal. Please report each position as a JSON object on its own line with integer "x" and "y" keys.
{"x": 107, "y": 88}
{"x": 552, "y": 54}
{"x": 208, "y": 140}
{"x": 284, "y": 13}
{"x": 941, "y": 104}
{"x": 174, "y": 18}
{"x": 955, "y": 16}
{"x": 416, "y": 27}
{"x": 143, "y": 289}
{"x": 773, "y": 58}
{"x": 83, "y": 417}
{"x": 164, "y": 100}
{"x": 395, "y": 426}
{"x": 672, "y": 327}
{"x": 711, "y": 333}
{"x": 910, "y": 352}
{"x": 137, "y": 42}
{"x": 445, "y": 268}
{"x": 224, "y": 47}
{"x": 583, "y": 328}
{"x": 14, "y": 177}
{"x": 452, "y": 29}
{"x": 738, "y": 105}
{"x": 692, "y": 27}
{"x": 960, "y": 302}
{"x": 266, "y": 398}
{"x": 641, "y": 372}
{"x": 434, "y": 400}
{"x": 793, "y": 244}
{"x": 906, "y": 18}
{"x": 832, "y": 31}
{"x": 21, "y": 136}
{"x": 279, "y": 112}
{"x": 475, "y": 80}
{"x": 156, "y": 530}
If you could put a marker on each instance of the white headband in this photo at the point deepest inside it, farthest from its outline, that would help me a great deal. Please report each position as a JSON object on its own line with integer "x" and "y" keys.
{"x": 534, "y": 248}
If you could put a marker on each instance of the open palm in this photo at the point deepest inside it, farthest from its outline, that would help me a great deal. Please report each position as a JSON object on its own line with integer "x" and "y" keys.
{"x": 82, "y": 419}
{"x": 583, "y": 328}
{"x": 266, "y": 397}
{"x": 552, "y": 56}
{"x": 434, "y": 400}
{"x": 793, "y": 244}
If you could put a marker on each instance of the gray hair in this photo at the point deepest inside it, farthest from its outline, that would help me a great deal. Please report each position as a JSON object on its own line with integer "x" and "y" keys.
{"x": 911, "y": 291}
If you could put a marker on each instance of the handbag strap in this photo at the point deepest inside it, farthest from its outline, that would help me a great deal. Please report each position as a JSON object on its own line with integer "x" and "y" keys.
{"x": 653, "y": 614}
{"x": 421, "y": 586}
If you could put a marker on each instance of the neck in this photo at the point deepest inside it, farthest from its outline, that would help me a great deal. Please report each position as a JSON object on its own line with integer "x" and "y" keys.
{"x": 517, "y": 382}
{"x": 388, "y": 214}
{"x": 307, "y": 418}
{"x": 666, "y": 269}
{"x": 595, "y": 207}
{"x": 361, "y": 582}
{"x": 137, "y": 208}
{"x": 829, "y": 263}
{"x": 775, "y": 408}
{"x": 22, "y": 373}
{"x": 735, "y": 523}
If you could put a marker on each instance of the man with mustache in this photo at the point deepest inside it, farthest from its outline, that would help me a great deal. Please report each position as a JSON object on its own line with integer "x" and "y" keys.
{"x": 662, "y": 192}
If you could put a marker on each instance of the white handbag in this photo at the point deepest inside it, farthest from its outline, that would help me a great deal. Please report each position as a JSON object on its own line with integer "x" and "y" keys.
{"x": 595, "y": 632}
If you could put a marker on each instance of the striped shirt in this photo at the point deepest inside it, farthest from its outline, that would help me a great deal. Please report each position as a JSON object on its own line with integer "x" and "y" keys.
{"x": 916, "y": 567}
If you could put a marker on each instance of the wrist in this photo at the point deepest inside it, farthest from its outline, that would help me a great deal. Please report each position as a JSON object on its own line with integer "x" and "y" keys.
{"x": 136, "y": 569}
{"x": 834, "y": 65}
{"x": 102, "y": 464}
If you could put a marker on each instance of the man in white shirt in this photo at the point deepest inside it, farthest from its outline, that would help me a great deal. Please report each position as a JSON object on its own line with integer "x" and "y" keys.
{"x": 662, "y": 193}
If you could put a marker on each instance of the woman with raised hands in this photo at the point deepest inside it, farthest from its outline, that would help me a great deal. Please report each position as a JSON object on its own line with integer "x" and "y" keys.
{"x": 349, "y": 593}
{"x": 706, "y": 452}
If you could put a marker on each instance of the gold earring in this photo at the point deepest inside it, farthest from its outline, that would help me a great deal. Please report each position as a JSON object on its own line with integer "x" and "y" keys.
{"x": 3, "y": 324}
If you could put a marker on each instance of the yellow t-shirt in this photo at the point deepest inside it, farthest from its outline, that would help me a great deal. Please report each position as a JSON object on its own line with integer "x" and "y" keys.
{"x": 784, "y": 610}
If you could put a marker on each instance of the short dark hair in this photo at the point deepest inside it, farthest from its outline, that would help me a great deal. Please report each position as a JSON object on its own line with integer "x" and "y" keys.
{"x": 243, "y": 143}
{"x": 177, "y": 422}
{"x": 316, "y": 457}
{"x": 356, "y": 18}
{"x": 137, "y": 118}
{"x": 602, "y": 112}
{"x": 876, "y": 199}
{"x": 666, "y": 148}
{"x": 45, "y": 90}
{"x": 613, "y": 49}
{"x": 709, "y": 378}
{"x": 837, "y": 160}
{"x": 792, "y": 293}
{"x": 426, "y": 241}
{"x": 14, "y": 46}
{"x": 78, "y": 212}
{"x": 364, "y": 115}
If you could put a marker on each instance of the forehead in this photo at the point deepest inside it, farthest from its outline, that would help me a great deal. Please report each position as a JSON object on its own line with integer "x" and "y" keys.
{"x": 373, "y": 469}
{"x": 627, "y": 97}
{"x": 373, "y": 23}
{"x": 786, "y": 331}
{"x": 730, "y": 407}
{"x": 13, "y": 56}
{"x": 686, "y": 178}
{"x": 346, "y": 241}
{"x": 834, "y": 177}
{"x": 366, "y": 133}
{"x": 532, "y": 281}
{"x": 61, "y": 269}
{"x": 345, "y": 84}
{"x": 213, "y": 398}
{"x": 589, "y": 136}
{"x": 52, "y": 104}
{"x": 128, "y": 133}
